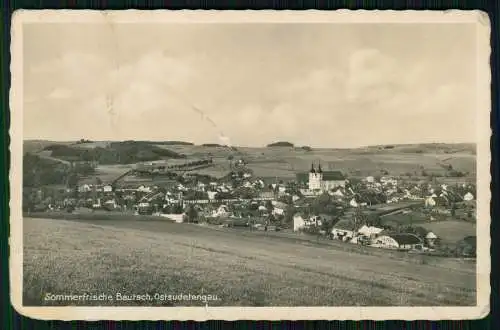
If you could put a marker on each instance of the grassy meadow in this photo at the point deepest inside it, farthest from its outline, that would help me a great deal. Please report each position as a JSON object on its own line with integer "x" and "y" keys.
{"x": 250, "y": 269}
{"x": 451, "y": 231}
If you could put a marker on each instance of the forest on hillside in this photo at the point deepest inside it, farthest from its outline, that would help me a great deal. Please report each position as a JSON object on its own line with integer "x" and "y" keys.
{"x": 128, "y": 152}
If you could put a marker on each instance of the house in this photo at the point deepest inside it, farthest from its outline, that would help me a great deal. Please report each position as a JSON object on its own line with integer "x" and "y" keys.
{"x": 262, "y": 208}
{"x": 344, "y": 230}
{"x": 431, "y": 238}
{"x": 369, "y": 231}
{"x": 388, "y": 181}
{"x": 278, "y": 211}
{"x": 298, "y": 222}
{"x": 97, "y": 204}
{"x": 468, "y": 197}
{"x": 84, "y": 188}
{"x": 430, "y": 202}
{"x": 111, "y": 204}
{"x": 211, "y": 194}
{"x": 222, "y": 211}
{"x": 353, "y": 203}
{"x": 315, "y": 220}
{"x": 200, "y": 187}
{"x": 144, "y": 189}
{"x": 402, "y": 241}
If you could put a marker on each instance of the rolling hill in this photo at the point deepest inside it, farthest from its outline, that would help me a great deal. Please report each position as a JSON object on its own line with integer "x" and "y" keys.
{"x": 415, "y": 160}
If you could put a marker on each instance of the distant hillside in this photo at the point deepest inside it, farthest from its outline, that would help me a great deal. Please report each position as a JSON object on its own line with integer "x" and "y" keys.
{"x": 281, "y": 144}
{"x": 41, "y": 171}
{"x": 169, "y": 143}
{"x": 211, "y": 145}
{"x": 447, "y": 148}
{"x": 128, "y": 152}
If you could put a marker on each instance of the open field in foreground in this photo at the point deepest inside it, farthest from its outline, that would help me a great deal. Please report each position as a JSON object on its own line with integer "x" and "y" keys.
{"x": 132, "y": 257}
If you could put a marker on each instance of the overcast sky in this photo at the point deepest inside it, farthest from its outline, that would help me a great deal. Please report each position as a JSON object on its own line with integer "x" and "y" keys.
{"x": 323, "y": 85}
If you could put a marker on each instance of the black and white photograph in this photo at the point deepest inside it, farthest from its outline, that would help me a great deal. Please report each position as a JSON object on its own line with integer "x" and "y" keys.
{"x": 204, "y": 165}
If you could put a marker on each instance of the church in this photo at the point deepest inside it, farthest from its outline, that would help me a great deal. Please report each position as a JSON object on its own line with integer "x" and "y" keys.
{"x": 319, "y": 180}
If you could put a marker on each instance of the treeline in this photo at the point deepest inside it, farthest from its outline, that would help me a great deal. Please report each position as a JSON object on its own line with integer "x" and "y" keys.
{"x": 127, "y": 152}
{"x": 281, "y": 144}
{"x": 39, "y": 171}
{"x": 211, "y": 145}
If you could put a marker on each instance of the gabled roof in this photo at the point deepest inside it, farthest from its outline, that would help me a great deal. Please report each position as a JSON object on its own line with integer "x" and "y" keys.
{"x": 405, "y": 238}
{"x": 344, "y": 224}
{"x": 333, "y": 176}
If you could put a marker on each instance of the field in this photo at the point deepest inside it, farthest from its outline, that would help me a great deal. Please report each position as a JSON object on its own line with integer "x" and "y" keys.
{"x": 451, "y": 231}
{"x": 242, "y": 269}
{"x": 284, "y": 162}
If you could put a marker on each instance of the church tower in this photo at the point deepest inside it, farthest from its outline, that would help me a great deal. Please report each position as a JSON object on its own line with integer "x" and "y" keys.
{"x": 319, "y": 174}
{"x": 315, "y": 178}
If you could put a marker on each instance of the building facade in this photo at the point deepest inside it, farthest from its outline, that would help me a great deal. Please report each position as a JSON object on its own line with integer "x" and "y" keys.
{"x": 319, "y": 180}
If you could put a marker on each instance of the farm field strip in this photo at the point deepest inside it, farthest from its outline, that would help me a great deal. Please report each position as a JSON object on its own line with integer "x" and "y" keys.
{"x": 272, "y": 271}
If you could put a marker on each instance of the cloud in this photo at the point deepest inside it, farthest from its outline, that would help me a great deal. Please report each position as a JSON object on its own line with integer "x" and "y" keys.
{"x": 60, "y": 94}
{"x": 204, "y": 88}
{"x": 372, "y": 76}
{"x": 73, "y": 76}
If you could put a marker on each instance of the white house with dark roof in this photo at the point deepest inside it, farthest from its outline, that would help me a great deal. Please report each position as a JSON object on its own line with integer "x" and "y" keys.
{"x": 402, "y": 241}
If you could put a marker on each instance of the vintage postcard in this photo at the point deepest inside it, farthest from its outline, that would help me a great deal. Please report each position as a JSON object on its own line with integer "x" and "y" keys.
{"x": 194, "y": 165}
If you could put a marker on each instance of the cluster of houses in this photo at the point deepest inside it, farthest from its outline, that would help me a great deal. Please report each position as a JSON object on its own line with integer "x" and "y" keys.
{"x": 241, "y": 195}
{"x": 370, "y": 235}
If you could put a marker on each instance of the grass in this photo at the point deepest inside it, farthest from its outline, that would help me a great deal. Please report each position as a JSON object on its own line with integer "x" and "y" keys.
{"x": 451, "y": 231}
{"x": 63, "y": 257}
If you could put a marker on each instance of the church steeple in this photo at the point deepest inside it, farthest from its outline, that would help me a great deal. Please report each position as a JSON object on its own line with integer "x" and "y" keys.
{"x": 319, "y": 168}
{"x": 312, "y": 168}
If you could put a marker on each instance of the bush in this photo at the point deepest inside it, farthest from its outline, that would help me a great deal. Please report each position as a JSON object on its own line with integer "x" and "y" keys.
{"x": 455, "y": 174}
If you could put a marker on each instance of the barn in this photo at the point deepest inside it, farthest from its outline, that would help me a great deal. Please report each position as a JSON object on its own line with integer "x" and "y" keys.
{"x": 401, "y": 241}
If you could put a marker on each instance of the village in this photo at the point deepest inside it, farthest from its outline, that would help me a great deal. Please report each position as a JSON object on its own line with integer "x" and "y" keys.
{"x": 384, "y": 211}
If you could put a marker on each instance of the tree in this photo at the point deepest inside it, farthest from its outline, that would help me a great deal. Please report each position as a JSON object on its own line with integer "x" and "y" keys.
{"x": 327, "y": 225}
{"x": 176, "y": 209}
{"x": 359, "y": 218}
{"x": 287, "y": 199}
{"x": 289, "y": 213}
{"x": 192, "y": 214}
{"x": 269, "y": 206}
